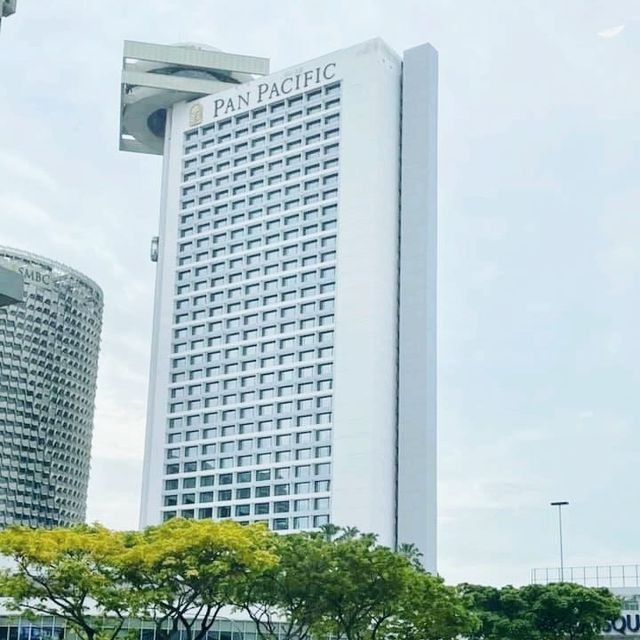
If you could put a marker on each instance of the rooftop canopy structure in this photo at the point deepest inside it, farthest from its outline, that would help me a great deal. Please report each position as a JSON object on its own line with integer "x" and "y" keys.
{"x": 155, "y": 77}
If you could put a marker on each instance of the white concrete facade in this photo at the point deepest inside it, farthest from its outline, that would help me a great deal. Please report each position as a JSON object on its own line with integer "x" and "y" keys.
{"x": 417, "y": 371}
{"x": 276, "y": 353}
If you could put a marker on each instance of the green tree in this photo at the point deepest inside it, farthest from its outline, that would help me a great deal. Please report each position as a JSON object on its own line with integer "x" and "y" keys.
{"x": 285, "y": 601}
{"x": 502, "y": 613}
{"x": 429, "y": 610}
{"x": 363, "y": 586}
{"x": 412, "y": 553}
{"x": 567, "y": 611}
{"x": 70, "y": 573}
{"x": 560, "y": 611}
{"x": 185, "y": 571}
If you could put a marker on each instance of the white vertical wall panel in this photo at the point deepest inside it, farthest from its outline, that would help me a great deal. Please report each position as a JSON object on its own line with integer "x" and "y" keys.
{"x": 417, "y": 412}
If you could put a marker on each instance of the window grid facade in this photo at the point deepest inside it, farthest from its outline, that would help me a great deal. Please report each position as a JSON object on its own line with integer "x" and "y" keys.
{"x": 48, "y": 365}
{"x": 249, "y": 426}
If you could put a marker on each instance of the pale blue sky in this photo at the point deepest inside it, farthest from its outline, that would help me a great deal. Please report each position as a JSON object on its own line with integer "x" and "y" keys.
{"x": 539, "y": 231}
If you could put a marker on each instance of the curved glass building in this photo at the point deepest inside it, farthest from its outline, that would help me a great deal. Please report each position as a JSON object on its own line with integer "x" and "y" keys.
{"x": 49, "y": 347}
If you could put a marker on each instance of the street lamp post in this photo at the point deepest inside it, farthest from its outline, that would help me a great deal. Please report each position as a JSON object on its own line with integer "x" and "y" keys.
{"x": 234, "y": 625}
{"x": 560, "y": 504}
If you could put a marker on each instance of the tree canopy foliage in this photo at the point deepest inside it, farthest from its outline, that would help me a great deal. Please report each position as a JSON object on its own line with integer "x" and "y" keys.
{"x": 559, "y": 611}
{"x": 185, "y": 571}
{"x": 302, "y": 586}
{"x": 67, "y": 572}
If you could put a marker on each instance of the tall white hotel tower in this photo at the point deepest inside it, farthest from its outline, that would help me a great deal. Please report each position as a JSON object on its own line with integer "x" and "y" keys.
{"x": 293, "y": 368}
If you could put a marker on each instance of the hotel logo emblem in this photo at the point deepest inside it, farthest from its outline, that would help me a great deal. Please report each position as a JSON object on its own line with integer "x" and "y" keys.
{"x": 195, "y": 115}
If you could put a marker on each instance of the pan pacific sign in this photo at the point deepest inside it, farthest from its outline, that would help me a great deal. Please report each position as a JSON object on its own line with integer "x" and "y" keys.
{"x": 264, "y": 91}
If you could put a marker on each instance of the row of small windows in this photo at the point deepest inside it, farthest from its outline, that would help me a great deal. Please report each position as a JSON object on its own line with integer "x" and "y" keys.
{"x": 272, "y": 315}
{"x": 246, "y": 365}
{"x": 271, "y": 237}
{"x": 267, "y": 425}
{"x": 239, "y": 293}
{"x": 232, "y": 428}
{"x": 248, "y": 320}
{"x": 283, "y": 358}
{"x": 225, "y": 276}
{"x": 196, "y": 420}
{"x": 321, "y": 402}
{"x": 253, "y": 304}
{"x": 277, "y": 524}
{"x": 244, "y": 477}
{"x": 287, "y": 265}
{"x": 257, "y": 508}
{"x": 269, "y": 409}
{"x": 184, "y": 429}
{"x": 300, "y": 472}
{"x": 284, "y": 455}
{"x": 212, "y": 401}
{"x": 219, "y": 337}
{"x": 216, "y": 356}
{"x": 296, "y": 186}
{"x": 229, "y": 415}
{"x": 296, "y": 295}
{"x": 312, "y": 124}
{"x": 302, "y": 340}
{"x": 268, "y": 235}
{"x": 286, "y": 205}
{"x": 303, "y": 437}
{"x": 321, "y": 469}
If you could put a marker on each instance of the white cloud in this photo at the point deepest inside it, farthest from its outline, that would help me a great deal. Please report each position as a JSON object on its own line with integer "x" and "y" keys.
{"x": 19, "y": 210}
{"x": 611, "y": 32}
{"x": 16, "y": 166}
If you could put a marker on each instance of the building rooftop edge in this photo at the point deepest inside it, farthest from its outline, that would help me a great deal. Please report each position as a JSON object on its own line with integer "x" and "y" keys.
{"x": 21, "y": 253}
{"x": 147, "y": 92}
